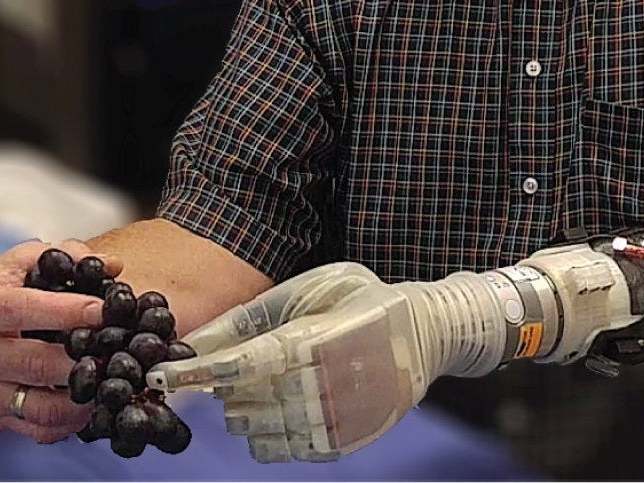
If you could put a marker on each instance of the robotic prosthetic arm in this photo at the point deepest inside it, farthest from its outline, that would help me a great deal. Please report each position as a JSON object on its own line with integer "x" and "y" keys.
{"x": 357, "y": 354}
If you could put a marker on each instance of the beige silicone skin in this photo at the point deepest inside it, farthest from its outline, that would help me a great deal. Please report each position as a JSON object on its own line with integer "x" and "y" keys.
{"x": 349, "y": 364}
{"x": 294, "y": 390}
{"x": 357, "y": 354}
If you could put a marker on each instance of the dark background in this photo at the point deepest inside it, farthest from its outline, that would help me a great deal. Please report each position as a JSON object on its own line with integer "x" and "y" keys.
{"x": 108, "y": 90}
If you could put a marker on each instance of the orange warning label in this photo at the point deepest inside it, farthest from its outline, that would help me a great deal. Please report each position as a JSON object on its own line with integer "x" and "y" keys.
{"x": 530, "y": 335}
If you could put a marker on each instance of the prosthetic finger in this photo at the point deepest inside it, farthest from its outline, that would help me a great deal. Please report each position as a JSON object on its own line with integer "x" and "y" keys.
{"x": 310, "y": 292}
{"x": 269, "y": 448}
{"x": 227, "y": 330}
{"x": 309, "y": 432}
{"x": 252, "y": 418}
{"x": 255, "y": 360}
{"x": 263, "y": 391}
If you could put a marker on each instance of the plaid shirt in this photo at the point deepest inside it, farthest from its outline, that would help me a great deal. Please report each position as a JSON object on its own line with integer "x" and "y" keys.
{"x": 418, "y": 137}
{"x": 419, "y": 123}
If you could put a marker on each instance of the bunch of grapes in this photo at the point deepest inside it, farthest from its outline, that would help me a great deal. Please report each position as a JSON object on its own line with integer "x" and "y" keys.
{"x": 111, "y": 361}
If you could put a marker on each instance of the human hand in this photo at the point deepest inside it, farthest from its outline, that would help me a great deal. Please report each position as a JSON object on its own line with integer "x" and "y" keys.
{"x": 48, "y": 413}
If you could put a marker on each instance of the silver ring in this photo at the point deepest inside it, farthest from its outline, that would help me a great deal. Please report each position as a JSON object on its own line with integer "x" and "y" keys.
{"x": 18, "y": 401}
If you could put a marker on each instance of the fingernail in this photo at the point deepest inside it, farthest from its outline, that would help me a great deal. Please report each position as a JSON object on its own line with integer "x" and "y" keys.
{"x": 92, "y": 314}
{"x": 103, "y": 256}
{"x": 107, "y": 258}
{"x": 112, "y": 259}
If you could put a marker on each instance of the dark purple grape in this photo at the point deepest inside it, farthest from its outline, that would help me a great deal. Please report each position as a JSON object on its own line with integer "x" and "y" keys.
{"x": 109, "y": 340}
{"x": 163, "y": 421}
{"x": 178, "y": 351}
{"x": 84, "y": 379}
{"x": 53, "y": 287}
{"x": 119, "y": 309}
{"x": 157, "y": 320}
{"x": 154, "y": 395}
{"x": 149, "y": 300}
{"x": 127, "y": 449}
{"x": 86, "y": 435}
{"x": 102, "y": 422}
{"x": 104, "y": 286}
{"x": 88, "y": 275}
{"x": 173, "y": 336}
{"x": 56, "y": 266}
{"x": 79, "y": 343}
{"x": 133, "y": 424}
{"x": 178, "y": 442}
{"x": 35, "y": 280}
{"x": 118, "y": 287}
{"x": 90, "y": 269}
{"x": 114, "y": 394}
{"x": 148, "y": 349}
{"x": 123, "y": 366}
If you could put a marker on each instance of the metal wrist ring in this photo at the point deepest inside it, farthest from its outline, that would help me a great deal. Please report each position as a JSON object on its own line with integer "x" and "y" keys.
{"x": 18, "y": 401}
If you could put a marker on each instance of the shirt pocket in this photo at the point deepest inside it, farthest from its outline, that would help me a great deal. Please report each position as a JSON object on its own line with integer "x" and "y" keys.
{"x": 616, "y": 62}
{"x": 606, "y": 182}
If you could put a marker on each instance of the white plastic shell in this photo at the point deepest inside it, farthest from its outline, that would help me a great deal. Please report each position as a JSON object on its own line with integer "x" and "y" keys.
{"x": 593, "y": 293}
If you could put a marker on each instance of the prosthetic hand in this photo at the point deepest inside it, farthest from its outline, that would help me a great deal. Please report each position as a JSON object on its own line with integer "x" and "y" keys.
{"x": 357, "y": 353}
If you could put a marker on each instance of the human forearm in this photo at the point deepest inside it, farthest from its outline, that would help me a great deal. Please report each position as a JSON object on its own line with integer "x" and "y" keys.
{"x": 200, "y": 278}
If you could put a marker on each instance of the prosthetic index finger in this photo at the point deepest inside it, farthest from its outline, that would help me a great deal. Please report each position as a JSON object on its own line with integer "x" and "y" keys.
{"x": 254, "y": 360}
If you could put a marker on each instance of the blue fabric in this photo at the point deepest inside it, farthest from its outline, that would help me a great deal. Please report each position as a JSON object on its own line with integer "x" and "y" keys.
{"x": 9, "y": 239}
{"x": 425, "y": 445}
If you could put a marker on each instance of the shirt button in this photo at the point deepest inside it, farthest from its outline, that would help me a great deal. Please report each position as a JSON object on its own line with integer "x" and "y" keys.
{"x": 530, "y": 185}
{"x": 533, "y": 68}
